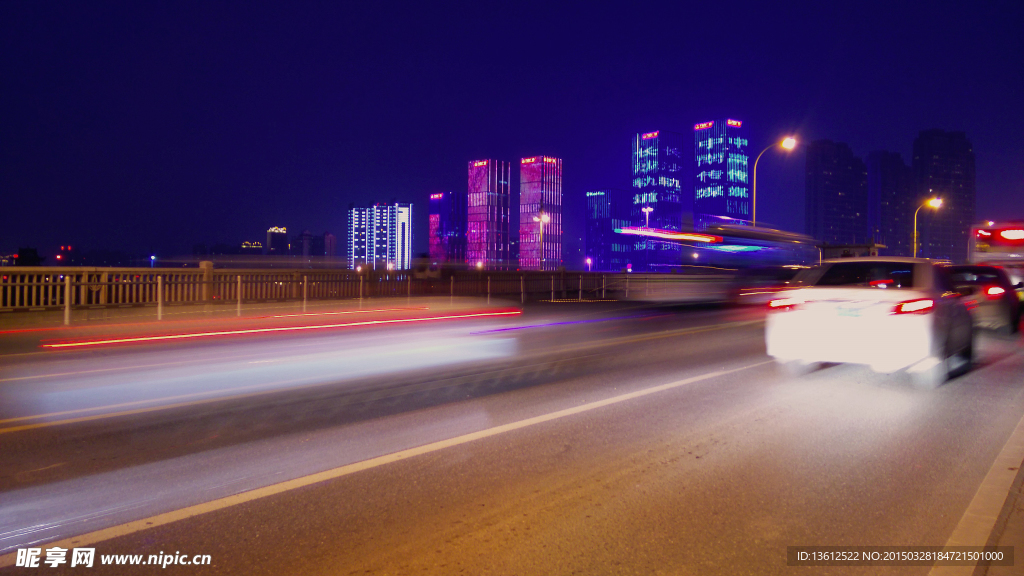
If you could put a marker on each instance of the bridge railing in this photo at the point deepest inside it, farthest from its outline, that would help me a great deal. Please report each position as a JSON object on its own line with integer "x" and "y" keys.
{"x": 31, "y": 288}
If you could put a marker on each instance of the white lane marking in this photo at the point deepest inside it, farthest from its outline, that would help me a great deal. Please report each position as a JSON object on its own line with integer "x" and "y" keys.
{"x": 979, "y": 520}
{"x": 228, "y": 501}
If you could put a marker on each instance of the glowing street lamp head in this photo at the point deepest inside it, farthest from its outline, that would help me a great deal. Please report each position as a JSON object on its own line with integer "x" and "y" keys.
{"x": 479, "y": 265}
{"x": 789, "y": 143}
{"x": 935, "y": 202}
{"x": 543, "y": 218}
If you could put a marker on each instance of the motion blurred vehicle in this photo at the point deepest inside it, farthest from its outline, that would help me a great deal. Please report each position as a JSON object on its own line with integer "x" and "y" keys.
{"x": 999, "y": 244}
{"x": 758, "y": 285}
{"x": 990, "y": 296}
{"x": 892, "y": 314}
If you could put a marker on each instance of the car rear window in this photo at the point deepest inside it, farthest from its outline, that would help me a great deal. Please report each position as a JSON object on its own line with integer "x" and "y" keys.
{"x": 869, "y": 275}
{"x": 975, "y": 276}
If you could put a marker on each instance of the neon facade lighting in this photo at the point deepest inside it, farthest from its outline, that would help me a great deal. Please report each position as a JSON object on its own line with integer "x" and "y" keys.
{"x": 734, "y": 123}
{"x": 703, "y": 125}
{"x": 649, "y": 135}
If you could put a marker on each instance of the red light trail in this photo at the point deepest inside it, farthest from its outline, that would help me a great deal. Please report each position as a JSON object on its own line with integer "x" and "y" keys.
{"x": 83, "y": 343}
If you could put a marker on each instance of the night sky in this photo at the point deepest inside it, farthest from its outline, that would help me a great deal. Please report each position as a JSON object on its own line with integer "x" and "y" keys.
{"x": 153, "y": 126}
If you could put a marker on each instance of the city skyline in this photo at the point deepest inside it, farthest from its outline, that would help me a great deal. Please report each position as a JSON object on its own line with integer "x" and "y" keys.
{"x": 120, "y": 134}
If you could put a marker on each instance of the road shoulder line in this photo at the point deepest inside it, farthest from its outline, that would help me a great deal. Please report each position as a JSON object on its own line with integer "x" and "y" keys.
{"x": 88, "y": 539}
{"x": 979, "y": 520}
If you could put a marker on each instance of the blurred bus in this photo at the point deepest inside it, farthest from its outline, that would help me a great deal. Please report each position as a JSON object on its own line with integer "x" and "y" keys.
{"x": 999, "y": 244}
{"x": 754, "y": 246}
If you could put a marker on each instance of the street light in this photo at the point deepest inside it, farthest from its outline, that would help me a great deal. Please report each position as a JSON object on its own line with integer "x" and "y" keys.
{"x": 542, "y": 218}
{"x": 934, "y": 203}
{"x": 647, "y": 215}
{"x": 589, "y": 262}
{"x": 787, "y": 143}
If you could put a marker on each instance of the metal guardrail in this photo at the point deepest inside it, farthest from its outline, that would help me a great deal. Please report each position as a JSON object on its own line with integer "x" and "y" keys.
{"x": 70, "y": 288}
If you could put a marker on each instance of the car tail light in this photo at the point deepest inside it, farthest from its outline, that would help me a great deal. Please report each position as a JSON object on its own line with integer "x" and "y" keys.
{"x": 918, "y": 306}
{"x": 780, "y": 304}
{"x": 994, "y": 292}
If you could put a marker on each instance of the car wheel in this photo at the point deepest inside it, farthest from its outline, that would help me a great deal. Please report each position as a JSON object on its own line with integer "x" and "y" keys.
{"x": 797, "y": 368}
{"x": 965, "y": 357}
{"x": 932, "y": 377}
{"x": 1010, "y": 327}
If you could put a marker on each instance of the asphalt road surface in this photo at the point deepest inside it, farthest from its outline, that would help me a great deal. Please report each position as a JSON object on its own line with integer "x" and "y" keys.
{"x": 576, "y": 438}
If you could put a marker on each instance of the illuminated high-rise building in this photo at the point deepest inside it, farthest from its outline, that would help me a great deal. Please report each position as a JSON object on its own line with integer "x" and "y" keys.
{"x": 944, "y": 168}
{"x": 487, "y": 215}
{"x": 540, "y": 213}
{"x": 448, "y": 227}
{"x": 277, "y": 241}
{"x": 380, "y": 237}
{"x": 721, "y": 191}
{"x": 607, "y": 211}
{"x": 658, "y": 198}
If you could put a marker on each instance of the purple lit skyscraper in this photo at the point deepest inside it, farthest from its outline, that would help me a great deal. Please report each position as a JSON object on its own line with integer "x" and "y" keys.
{"x": 448, "y": 227}
{"x": 540, "y": 213}
{"x": 487, "y": 217}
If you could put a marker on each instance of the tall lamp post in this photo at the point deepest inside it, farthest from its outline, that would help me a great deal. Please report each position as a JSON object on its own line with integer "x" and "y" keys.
{"x": 542, "y": 218}
{"x": 931, "y": 203}
{"x": 647, "y": 215}
{"x": 787, "y": 143}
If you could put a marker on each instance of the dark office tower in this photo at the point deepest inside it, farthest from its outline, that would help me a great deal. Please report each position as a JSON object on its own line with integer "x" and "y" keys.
{"x": 302, "y": 245}
{"x": 837, "y": 194}
{"x": 721, "y": 190}
{"x": 277, "y": 241}
{"x": 944, "y": 167}
{"x": 330, "y": 244}
{"x": 448, "y": 227}
{"x": 607, "y": 211}
{"x": 658, "y": 197}
{"x": 540, "y": 213}
{"x": 891, "y": 196}
{"x": 487, "y": 215}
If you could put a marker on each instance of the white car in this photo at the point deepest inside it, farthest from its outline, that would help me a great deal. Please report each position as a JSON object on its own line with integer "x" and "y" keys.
{"x": 889, "y": 313}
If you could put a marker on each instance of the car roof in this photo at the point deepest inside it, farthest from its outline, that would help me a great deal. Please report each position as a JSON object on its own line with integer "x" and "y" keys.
{"x": 894, "y": 259}
{"x": 970, "y": 267}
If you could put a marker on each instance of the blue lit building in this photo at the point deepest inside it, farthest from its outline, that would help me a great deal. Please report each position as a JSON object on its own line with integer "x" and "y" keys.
{"x": 380, "y": 237}
{"x": 721, "y": 191}
{"x": 608, "y": 210}
{"x": 658, "y": 198}
{"x": 448, "y": 226}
